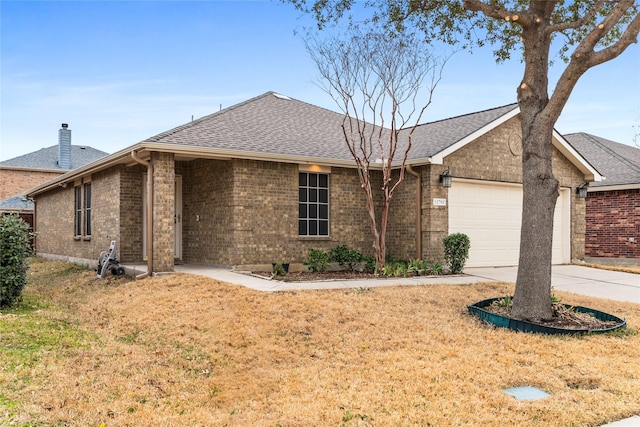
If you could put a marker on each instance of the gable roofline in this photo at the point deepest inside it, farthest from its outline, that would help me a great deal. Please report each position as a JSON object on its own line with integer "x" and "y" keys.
{"x": 438, "y": 158}
{"x": 184, "y": 151}
{"x": 576, "y": 158}
{"x": 558, "y": 141}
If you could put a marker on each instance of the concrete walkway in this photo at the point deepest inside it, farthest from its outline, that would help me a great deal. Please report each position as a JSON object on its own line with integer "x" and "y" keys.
{"x": 571, "y": 278}
{"x": 264, "y": 284}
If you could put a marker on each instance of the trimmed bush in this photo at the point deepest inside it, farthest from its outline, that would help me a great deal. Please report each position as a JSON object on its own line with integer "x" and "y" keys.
{"x": 456, "y": 251}
{"x": 345, "y": 256}
{"x": 317, "y": 260}
{"x": 14, "y": 250}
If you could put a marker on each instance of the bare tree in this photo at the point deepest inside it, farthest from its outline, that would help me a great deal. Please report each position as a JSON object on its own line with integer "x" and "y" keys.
{"x": 376, "y": 79}
{"x": 585, "y": 33}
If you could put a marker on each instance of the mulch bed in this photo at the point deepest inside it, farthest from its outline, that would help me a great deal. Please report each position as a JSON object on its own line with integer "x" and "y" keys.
{"x": 308, "y": 276}
{"x": 564, "y": 317}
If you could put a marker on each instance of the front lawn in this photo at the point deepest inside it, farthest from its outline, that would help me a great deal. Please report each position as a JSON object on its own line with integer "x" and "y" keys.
{"x": 186, "y": 350}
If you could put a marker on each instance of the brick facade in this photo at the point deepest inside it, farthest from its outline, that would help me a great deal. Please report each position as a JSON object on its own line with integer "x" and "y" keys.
{"x": 614, "y": 220}
{"x": 54, "y": 219}
{"x": 489, "y": 158}
{"x": 130, "y": 240}
{"x": 18, "y": 181}
{"x": 245, "y": 212}
{"x": 163, "y": 210}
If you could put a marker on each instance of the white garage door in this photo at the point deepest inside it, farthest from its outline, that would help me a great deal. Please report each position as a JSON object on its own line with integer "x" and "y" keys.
{"x": 490, "y": 214}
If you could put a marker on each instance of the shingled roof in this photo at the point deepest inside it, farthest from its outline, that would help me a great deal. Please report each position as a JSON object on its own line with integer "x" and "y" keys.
{"x": 277, "y": 124}
{"x": 435, "y": 137}
{"x": 16, "y": 203}
{"x": 47, "y": 158}
{"x": 277, "y": 128}
{"x": 620, "y": 163}
{"x": 269, "y": 123}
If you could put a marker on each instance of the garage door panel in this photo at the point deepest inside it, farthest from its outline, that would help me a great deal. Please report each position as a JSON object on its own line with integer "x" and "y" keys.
{"x": 491, "y": 215}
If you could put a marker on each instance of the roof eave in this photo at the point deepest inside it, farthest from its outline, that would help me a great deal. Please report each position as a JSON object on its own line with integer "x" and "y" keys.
{"x": 561, "y": 144}
{"x": 600, "y": 188}
{"x": 33, "y": 169}
{"x": 145, "y": 148}
{"x": 89, "y": 168}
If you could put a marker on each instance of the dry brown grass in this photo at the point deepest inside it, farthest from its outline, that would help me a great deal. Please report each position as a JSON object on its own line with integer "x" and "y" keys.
{"x": 186, "y": 350}
{"x": 624, "y": 268}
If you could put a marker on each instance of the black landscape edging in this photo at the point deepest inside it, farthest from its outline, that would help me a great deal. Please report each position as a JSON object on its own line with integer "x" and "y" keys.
{"x": 478, "y": 310}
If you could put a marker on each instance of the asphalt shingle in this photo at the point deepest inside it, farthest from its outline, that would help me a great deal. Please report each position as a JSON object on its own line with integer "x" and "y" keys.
{"x": 619, "y": 163}
{"x": 16, "y": 203}
{"x": 276, "y": 124}
{"x": 47, "y": 158}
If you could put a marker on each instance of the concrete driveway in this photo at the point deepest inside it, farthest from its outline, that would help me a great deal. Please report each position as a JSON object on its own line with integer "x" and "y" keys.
{"x": 577, "y": 279}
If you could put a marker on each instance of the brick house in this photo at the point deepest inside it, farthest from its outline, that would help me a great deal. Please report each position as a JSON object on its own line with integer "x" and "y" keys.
{"x": 267, "y": 179}
{"x": 19, "y": 174}
{"x": 613, "y": 205}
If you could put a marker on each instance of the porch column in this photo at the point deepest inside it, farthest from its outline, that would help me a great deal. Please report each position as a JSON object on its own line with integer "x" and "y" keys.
{"x": 163, "y": 211}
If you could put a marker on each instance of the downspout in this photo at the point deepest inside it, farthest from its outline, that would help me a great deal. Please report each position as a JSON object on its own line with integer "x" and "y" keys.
{"x": 149, "y": 167}
{"x": 418, "y": 211}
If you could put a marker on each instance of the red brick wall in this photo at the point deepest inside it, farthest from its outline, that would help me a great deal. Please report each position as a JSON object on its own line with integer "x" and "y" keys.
{"x": 613, "y": 217}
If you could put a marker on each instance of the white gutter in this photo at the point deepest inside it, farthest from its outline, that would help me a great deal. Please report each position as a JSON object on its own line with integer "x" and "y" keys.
{"x": 598, "y": 188}
{"x": 140, "y": 148}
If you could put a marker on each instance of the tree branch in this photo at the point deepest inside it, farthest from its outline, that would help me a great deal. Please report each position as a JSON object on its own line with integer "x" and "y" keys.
{"x": 585, "y": 57}
{"x": 560, "y": 27}
{"x": 521, "y": 17}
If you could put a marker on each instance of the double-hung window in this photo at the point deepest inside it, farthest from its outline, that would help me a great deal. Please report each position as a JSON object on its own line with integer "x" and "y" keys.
{"x": 313, "y": 204}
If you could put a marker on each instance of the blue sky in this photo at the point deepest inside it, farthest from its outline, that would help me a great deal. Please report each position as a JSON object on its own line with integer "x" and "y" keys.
{"x": 119, "y": 72}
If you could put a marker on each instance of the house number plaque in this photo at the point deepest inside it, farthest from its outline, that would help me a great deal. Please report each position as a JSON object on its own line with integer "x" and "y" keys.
{"x": 439, "y": 202}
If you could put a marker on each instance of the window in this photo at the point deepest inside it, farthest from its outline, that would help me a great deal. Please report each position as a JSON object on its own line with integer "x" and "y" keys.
{"x": 313, "y": 204}
{"x": 87, "y": 209}
{"x": 82, "y": 210}
{"x": 78, "y": 211}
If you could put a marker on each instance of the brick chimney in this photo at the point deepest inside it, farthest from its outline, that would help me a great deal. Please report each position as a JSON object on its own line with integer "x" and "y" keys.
{"x": 64, "y": 147}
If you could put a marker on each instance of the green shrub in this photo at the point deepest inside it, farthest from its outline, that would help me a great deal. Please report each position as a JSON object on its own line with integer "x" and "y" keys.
{"x": 456, "y": 251}
{"x": 345, "y": 256}
{"x": 14, "y": 250}
{"x": 317, "y": 260}
{"x": 436, "y": 268}
{"x": 278, "y": 269}
{"x": 370, "y": 263}
{"x": 417, "y": 266}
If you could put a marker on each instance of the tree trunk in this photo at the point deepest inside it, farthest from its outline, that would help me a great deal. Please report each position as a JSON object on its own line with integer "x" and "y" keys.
{"x": 532, "y": 299}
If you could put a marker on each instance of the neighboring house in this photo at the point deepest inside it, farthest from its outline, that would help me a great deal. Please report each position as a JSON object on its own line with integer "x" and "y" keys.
{"x": 21, "y": 173}
{"x": 613, "y": 205}
{"x": 267, "y": 179}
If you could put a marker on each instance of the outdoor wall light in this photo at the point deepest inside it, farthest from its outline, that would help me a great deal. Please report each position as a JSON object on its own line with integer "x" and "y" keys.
{"x": 581, "y": 191}
{"x": 445, "y": 179}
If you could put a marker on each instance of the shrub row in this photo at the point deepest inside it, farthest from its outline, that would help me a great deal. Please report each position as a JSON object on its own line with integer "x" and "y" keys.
{"x": 456, "y": 253}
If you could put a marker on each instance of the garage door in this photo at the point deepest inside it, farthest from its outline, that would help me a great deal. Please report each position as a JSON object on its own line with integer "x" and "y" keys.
{"x": 490, "y": 214}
